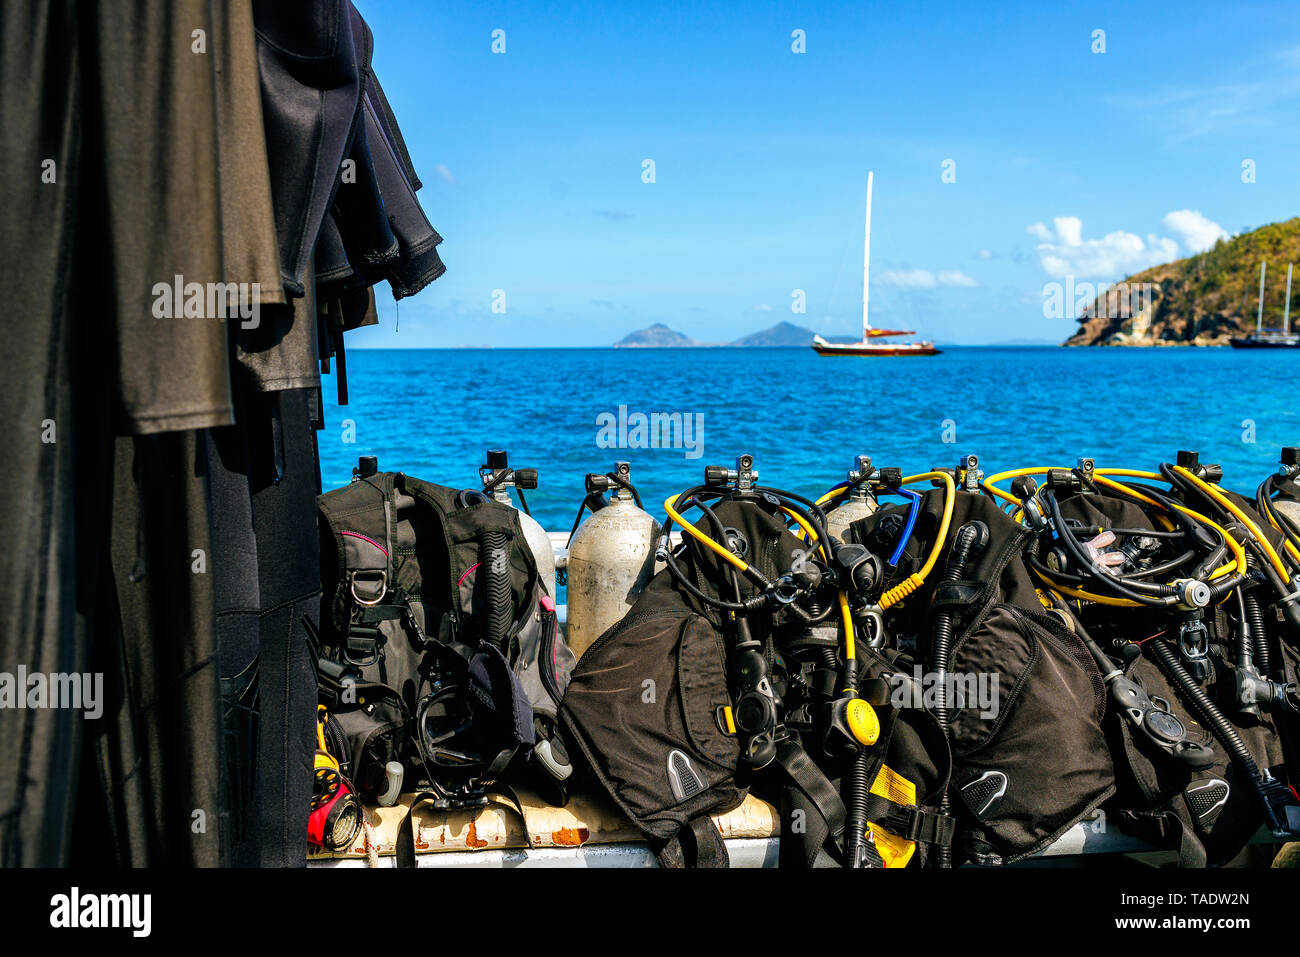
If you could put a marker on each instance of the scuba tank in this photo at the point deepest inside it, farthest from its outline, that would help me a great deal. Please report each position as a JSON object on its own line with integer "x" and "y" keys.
{"x": 1287, "y": 503}
{"x": 498, "y": 478}
{"x": 857, "y": 504}
{"x": 611, "y": 557}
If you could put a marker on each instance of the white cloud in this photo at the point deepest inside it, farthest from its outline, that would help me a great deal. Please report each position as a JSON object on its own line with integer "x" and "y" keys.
{"x": 1069, "y": 229}
{"x": 985, "y": 254}
{"x": 763, "y": 308}
{"x": 1196, "y": 231}
{"x": 954, "y": 277}
{"x": 1064, "y": 252}
{"x": 445, "y": 174}
{"x": 924, "y": 279}
{"x": 913, "y": 278}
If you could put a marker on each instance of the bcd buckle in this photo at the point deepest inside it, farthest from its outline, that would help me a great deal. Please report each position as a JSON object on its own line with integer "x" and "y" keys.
{"x": 917, "y": 824}
{"x": 361, "y": 646}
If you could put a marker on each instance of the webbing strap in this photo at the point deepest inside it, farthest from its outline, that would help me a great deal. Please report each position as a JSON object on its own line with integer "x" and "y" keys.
{"x": 962, "y": 593}
{"x": 406, "y": 830}
{"x": 501, "y": 766}
{"x": 696, "y": 844}
{"x": 1167, "y": 829}
{"x": 811, "y": 810}
{"x": 371, "y": 614}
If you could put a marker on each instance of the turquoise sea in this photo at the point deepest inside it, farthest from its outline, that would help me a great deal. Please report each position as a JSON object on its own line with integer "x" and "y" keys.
{"x": 433, "y": 413}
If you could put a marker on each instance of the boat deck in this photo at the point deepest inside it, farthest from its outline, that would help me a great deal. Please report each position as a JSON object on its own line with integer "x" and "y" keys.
{"x": 592, "y": 833}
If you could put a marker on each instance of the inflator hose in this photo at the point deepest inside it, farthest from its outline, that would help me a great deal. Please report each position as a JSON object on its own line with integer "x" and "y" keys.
{"x": 1255, "y": 622}
{"x": 858, "y": 788}
{"x": 969, "y": 540}
{"x": 494, "y": 562}
{"x": 1245, "y": 631}
{"x": 1214, "y": 720}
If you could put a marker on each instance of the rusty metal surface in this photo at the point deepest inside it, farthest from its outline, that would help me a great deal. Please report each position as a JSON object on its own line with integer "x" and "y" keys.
{"x": 587, "y": 834}
{"x": 743, "y": 853}
{"x": 584, "y": 822}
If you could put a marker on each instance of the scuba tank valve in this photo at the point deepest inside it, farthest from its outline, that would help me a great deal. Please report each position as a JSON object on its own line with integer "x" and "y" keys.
{"x": 857, "y": 502}
{"x": 498, "y": 478}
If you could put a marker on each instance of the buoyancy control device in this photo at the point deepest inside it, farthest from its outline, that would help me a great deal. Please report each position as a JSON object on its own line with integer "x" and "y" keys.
{"x": 744, "y": 665}
{"x": 611, "y": 556}
{"x": 1180, "y": 593}
{"x": 1017, "y": 697}
{"x": 439, "y": 652}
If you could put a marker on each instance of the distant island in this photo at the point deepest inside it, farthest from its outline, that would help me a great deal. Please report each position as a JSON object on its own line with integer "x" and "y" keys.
{"x": 1202, "y": 300}
{"x": 660, "y": 336}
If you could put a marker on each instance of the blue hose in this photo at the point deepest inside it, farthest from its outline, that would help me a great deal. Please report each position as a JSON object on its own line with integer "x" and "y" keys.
{"x": 914, "y": 511}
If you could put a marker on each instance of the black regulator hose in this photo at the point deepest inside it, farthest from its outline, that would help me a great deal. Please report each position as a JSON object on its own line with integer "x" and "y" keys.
{"x": 495, "y": 564}
{"x": 684, "y": 501}
{"x": 857, "y": 794}
{"x": 624, "y": 484}
{"x": 1145, "y": 593}
{"x": 810, "y": 513}
{"x": 591, "y": 501}
{"x": 970, "y": 540}
{"x": 1171, "y": 509}
{"x": 1286, "y": 603}
{"x": 1213, "y": 719}
{"x": 817, "y": 511}
{"x": 1254, "y": 617}
{"x": 1246, "y": 629}
{"x": 695, "y": 497}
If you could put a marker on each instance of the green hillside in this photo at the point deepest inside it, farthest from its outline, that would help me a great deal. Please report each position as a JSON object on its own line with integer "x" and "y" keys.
{"x": 1206, "y": 298}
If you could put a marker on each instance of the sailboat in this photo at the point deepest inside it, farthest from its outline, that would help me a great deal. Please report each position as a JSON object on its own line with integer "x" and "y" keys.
{"x": 871, "y": 344}
{"x": 1270, "y": 338}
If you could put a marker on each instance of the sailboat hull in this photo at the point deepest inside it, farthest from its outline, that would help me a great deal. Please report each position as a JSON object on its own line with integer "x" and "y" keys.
{"x": 1265, "y": 342}
{"x": 875, "y": 349}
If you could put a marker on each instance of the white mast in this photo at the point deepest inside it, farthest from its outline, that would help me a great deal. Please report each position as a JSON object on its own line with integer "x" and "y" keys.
{"x": 1286, "y": 310}
{"x": 1259, "y": 318}
{"x": 866, "y": 264}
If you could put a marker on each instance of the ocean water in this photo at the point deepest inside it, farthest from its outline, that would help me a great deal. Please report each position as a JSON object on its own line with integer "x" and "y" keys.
{"x": 433, "y": 413}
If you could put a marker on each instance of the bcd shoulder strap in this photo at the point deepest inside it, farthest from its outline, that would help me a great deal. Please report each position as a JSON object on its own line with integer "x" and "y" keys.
{"x": 812, "y": 813}
{"x": 697, "y": 844}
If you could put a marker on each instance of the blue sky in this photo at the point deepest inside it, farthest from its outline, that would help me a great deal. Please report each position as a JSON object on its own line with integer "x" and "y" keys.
{"x": 1067, "y": 162}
